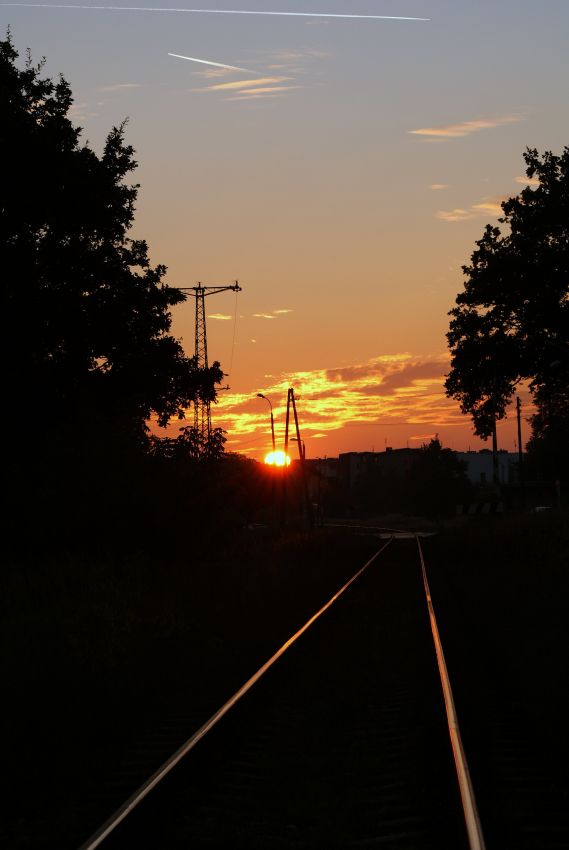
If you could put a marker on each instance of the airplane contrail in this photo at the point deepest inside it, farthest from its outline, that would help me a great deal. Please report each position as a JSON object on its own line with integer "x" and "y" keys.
{"x": 215, "y": 64}
{"x": 213, "y": 11}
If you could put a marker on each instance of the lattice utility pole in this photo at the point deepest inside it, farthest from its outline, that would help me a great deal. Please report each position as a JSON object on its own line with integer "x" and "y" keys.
{"x": 202, "y": 413}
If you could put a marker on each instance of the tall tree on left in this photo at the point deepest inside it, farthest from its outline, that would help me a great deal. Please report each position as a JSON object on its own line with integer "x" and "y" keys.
{"x": 86, "y": 323}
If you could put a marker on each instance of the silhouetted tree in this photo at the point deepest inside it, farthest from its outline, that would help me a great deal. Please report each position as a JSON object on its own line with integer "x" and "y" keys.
{"x": 511, "y": 322}
{"x": 189, "y": 445}
{"x": 191, "y": 498}
{"x": 87, "y": 317}
{"x": 548, "y": 447}
{"x": 438, "y": 480}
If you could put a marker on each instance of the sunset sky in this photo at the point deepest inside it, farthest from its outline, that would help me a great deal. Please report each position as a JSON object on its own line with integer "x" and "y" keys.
{"x": 342, "y": 179}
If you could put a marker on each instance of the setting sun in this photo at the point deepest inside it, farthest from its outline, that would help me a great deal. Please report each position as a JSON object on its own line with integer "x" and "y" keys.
{"x": 277, "y": 459}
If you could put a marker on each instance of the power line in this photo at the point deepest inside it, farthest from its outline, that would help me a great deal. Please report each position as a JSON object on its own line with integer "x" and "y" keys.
{"x": 202, "y": 407}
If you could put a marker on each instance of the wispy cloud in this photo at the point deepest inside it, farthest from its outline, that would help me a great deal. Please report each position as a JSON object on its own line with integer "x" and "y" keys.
{"x": 490, "y": 205}
{"x": 466, "y": 128}
{"x": 487, "y": 206}
{"x": 221, "y": 316}
{"x": 299, "y": 55}
{"x": 268, "y": 90}
{"x": 273, "y": 314}
{"x": 457, "y": 214}
{"x": 244, "y": 84}
{"x": 258, "y": 95}
{"x": 297, "y": 63}
{"x": 119, "y": 87}
{"x": 438, "y": 186}
{"x": 257, "y": 88}
{"x": 527, "y": 181}
{"x": 211, "y": 73}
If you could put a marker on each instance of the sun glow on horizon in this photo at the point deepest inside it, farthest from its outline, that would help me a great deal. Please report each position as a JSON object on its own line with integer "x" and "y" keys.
{"x": 277, "y": 459}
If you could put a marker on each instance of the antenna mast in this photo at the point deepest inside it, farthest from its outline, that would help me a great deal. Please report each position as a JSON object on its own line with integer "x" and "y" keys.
{"x": 202, "y": 412}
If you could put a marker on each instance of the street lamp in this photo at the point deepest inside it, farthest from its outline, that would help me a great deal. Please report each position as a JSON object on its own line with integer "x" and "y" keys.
{"x": 260, "y": 395}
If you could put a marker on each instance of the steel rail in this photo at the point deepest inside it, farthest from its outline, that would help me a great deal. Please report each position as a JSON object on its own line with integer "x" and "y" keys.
{"x": 133, "y": 801}
{"x": 384, "y": 532}
{"x": 357, "y": 527}
{"x": 470, "y": 809}
{"x": 354, "y": 524}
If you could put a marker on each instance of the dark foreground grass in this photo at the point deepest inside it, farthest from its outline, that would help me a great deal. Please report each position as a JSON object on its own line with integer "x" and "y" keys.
{"x": 98, "y": 650}
{"x": 501, "y": 593}
{"x": 510, "y": 576}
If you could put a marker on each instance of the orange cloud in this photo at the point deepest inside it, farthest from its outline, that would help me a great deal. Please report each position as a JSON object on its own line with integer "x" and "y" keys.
{"x": 214, "y": 73}
{"x": 523, "y": 180}
{"x": 455, "y": 215}
{"x": 394, "y": 389}
{"x": 398, "y": 396}
{"x": 492, "y": 206}
{"x": 466, "y": 128}
{"x": 253, "y": 95}
{"x": 252, "y": 89}
{"x": 244, "y": 84}
{"x": 265, "y": 90}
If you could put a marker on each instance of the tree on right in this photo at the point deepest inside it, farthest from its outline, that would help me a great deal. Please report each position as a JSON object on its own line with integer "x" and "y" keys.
{"x": 511, "y": 321}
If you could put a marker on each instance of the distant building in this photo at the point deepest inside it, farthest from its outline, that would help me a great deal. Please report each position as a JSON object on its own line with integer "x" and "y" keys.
{"x": 393, "y": 462}
{"x": 480, "y": 468}
{"x": 397, "y": 462}
{"x": 349, "y": 466}
{"x": 326, "y": 467}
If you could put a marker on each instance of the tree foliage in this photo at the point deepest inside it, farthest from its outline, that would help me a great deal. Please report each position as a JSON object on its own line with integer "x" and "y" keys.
{"x": 511, "y": 322}
{"x": 548, "y": 447}
{"x": 190, "y": 444}
{"x": 87, "y": 316}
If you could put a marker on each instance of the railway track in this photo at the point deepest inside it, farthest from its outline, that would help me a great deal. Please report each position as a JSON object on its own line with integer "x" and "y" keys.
{"x": 340, "y": 740}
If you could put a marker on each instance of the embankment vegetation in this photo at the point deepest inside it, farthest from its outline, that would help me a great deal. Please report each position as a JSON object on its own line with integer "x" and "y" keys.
{"x": 99, "y": 649}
